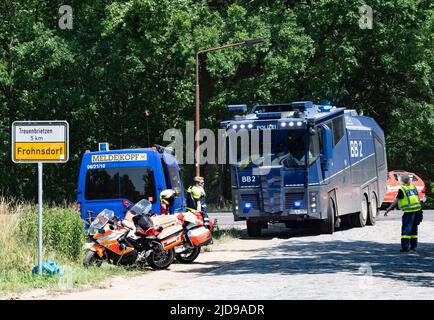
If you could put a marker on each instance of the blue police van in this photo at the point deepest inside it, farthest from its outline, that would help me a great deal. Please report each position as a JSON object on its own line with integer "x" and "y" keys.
{"x": 109, "y": 179}
{"x": 326, "y": 165}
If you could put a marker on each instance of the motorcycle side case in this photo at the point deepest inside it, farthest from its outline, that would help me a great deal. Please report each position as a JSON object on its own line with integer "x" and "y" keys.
{"x": 171, "y": 237}
{"x": 200, "y": 236}
{"x": 169, "y": 231}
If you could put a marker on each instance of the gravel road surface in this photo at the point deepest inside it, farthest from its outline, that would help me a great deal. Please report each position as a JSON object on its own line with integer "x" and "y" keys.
{"x": 357, "y": 263}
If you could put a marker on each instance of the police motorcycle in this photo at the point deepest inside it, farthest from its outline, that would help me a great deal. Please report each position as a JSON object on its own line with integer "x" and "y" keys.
{"x": 129, "y": 244}
{"x": 194, "y": 233}
{"x": 195, "y": 236}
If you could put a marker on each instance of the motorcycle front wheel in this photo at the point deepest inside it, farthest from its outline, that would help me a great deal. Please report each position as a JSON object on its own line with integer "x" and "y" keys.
{"x": 91, "y": 259}
{"x": 161, "y": 260}
{"x": 189, "y": 256}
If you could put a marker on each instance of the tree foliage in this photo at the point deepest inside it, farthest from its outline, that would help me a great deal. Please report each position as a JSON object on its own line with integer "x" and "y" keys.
{"x": 125, "y": 57}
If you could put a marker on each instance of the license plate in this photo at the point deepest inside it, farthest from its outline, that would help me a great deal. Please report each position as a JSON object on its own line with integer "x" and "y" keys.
{"x": 298, "y": 211}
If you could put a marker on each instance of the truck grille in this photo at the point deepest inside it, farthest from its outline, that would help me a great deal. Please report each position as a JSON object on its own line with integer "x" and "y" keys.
{"x": 269, "y": 183}
{"x": 291, "y": 197}
{"x": 252, "y": 198}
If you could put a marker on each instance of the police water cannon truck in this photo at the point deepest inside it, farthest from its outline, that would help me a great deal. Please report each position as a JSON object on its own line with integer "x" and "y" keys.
{"x": 325, "y": 165}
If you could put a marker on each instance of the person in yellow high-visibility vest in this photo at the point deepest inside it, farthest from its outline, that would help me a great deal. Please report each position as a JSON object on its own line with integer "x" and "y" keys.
{"x": 167, "y": 199}
{"x": 409, "y": 202}
{"x": 196, "y": 199}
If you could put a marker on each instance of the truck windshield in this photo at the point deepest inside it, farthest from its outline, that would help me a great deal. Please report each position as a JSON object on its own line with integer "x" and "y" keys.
{"x": 132, "y": 183}
{"x": 287, "y": 149}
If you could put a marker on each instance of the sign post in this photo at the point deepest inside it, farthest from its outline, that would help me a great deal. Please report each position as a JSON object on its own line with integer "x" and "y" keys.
{"x": 39, "y": 142}
{"x": 40, "y": 218}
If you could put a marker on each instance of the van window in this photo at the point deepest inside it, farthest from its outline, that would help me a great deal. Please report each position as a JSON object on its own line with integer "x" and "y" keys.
{"x": 132, "y": 183}
{"x": 399, "y": 176}
{"x": 174, "y": 178}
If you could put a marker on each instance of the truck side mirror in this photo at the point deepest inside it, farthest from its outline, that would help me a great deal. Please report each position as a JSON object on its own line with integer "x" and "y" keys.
{"x": 327, "y": 147}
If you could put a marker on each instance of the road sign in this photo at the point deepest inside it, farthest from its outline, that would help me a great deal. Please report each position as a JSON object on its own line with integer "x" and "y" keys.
{"x": 40, "y": 141}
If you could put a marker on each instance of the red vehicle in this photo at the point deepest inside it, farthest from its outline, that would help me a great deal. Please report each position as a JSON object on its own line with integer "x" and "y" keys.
{"x": 394, "y": 182}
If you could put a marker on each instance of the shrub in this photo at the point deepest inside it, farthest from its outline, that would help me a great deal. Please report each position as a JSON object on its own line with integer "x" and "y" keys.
{"x": 63, "y": 240}
{"x": 63, "y": 231}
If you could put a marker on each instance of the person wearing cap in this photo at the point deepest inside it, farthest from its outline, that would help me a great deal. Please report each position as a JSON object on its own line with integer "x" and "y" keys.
{"x": 409, "y": 202}
{"x": 196, "y": 199}
{"x": 167, "y": 199}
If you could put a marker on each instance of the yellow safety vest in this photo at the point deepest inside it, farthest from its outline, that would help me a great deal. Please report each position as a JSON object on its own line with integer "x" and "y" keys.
{"x": 195, "y": 194}
{"x": 410, "y": 202}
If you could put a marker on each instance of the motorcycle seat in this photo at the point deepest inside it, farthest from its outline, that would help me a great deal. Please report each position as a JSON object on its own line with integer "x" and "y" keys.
{"x": 148, "y": 233}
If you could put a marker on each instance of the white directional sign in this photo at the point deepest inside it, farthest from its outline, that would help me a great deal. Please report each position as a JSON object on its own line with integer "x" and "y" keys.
{"x": 40, "y": 141}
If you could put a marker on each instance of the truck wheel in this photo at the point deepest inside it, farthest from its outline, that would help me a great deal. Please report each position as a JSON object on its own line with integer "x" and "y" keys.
{"x": 328, "y": 225}
{"x": 253, "y": 228}
{"x": 360, "y": 218}
{"x": 373, "y": 211}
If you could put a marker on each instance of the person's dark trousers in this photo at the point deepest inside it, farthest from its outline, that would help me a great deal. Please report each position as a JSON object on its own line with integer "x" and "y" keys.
{"x": 206, "y": 220}
{"x": 409, "y": 231}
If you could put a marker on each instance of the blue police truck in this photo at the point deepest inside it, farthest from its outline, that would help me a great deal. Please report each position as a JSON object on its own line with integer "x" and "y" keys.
{"x": 326, "y": 165}
{"x": 110, "y": 179}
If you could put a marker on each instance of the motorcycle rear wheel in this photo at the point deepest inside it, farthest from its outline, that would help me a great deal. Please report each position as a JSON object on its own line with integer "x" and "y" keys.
{"x": 189, "y": 256}
{"x": 161, "y": 260}
{"x": 91, "y": 259}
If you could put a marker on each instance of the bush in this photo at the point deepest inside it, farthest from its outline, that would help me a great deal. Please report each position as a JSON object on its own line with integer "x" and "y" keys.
{"x": 63, "y": 241}
{"x": 429, "y": 204}
{"x": 63, "y": 231}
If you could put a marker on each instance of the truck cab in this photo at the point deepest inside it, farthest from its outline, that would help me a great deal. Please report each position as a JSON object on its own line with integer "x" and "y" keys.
{"x": 325, "y": 164}
{"x": 110, "y": 179}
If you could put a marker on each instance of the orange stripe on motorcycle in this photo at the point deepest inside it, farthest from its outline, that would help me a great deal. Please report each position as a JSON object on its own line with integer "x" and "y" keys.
{"x": 100, "y": 235}
{"x": 116, "y": 249}
{"x": 98, "y": 249}
{"x": 172, "y": 242}
{"x": 109, "y": 242}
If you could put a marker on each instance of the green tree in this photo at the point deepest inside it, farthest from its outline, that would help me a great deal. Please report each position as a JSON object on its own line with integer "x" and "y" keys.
{"x": 125, "y": 57}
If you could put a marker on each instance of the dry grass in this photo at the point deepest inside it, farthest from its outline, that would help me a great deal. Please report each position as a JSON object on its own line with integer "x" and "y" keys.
{"x": 63, "y": 242}
{"x": 13, "y": 254}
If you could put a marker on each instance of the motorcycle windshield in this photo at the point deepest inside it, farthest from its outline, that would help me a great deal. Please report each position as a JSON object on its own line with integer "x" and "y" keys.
{"x": 100, "y": 221}
{"x": 141, "y": 208}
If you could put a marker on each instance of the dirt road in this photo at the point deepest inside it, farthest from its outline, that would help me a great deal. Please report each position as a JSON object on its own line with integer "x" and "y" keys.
{"x": 359, "y": 263}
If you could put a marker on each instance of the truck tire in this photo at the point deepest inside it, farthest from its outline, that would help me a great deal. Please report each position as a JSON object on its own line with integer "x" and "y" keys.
{"x": 328, "y": 225}
{"x": 253, "y": 228}
{"x": 360, "y": 218}
{"x": 373, "y": 211}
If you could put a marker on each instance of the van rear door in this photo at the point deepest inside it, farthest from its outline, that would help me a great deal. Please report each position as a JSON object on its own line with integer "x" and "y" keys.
{"x": 98, "y": 188}
{"x": 106, "y": 185}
